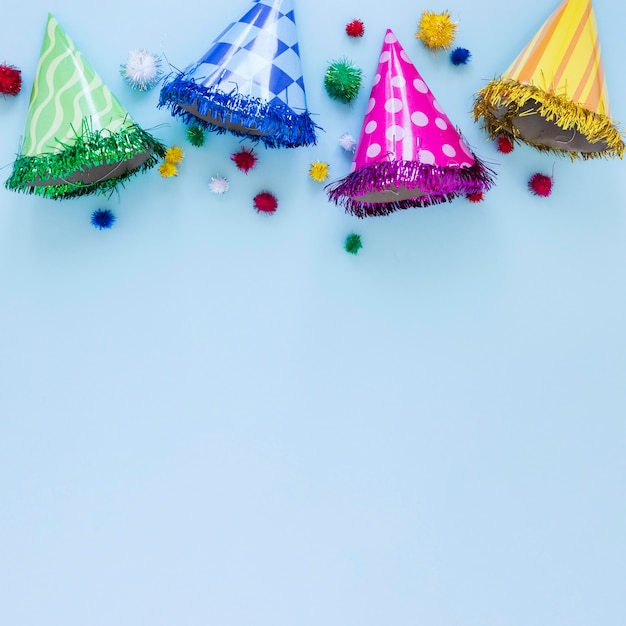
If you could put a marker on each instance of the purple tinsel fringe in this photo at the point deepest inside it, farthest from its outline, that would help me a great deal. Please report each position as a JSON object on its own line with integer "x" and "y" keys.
{"x": 439, "y": 184}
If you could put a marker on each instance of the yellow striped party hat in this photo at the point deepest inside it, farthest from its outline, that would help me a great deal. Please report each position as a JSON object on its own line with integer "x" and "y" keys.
{"x": 554, "y": 95}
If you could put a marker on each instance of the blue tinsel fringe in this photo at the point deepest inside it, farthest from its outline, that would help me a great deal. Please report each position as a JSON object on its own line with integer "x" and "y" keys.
{"x": 280, "y": 126}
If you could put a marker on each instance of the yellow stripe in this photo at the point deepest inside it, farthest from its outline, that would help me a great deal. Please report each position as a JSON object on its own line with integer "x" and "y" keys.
{"x": 527, "y": 62}
{"x": 564, "y": 57}
{"x": 568, "y": 64}
{"x": 590, "y": 90}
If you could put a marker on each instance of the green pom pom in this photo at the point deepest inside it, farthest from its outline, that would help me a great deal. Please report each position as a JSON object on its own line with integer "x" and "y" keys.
{"x": 342, "y": 81}
{"x": 353, "y": 243}
{"x": 196, "y": 135}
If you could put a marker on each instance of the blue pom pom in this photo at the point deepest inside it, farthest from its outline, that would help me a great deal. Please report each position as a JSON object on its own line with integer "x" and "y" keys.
{"x": 102, "y": 218}
{"x": 460, "y": 56}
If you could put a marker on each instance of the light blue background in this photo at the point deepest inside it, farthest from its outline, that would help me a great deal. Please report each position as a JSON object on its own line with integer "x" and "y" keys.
{"x": 214, "y": 417}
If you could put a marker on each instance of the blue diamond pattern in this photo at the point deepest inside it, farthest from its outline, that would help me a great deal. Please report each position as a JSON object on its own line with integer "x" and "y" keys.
{"x": 258, "y": 55}
{"x": 219, "y": 53}
{"x": 267, "y": 45}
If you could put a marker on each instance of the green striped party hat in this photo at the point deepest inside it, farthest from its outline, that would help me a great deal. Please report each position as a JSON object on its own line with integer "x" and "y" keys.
{"x": 78, "y": 137}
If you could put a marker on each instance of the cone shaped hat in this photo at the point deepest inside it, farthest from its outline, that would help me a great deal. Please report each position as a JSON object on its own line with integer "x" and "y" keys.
{"x": 409, "y": 153}
{"x": 249, "y": 82}
{"x": 554, "y": 95}
{"x": 78, "y": 138}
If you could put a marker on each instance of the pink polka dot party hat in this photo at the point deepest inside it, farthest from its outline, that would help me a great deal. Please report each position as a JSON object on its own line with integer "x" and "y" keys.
{"x": 409, "y": 154}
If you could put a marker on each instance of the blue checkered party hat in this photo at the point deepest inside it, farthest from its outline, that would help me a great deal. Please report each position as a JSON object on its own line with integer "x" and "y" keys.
{"x": 249, "y": 82}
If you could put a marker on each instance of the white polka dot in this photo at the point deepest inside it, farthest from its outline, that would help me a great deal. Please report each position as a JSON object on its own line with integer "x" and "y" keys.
{"x": 419, "y": 119}
{"x": 385, "y": 56}
{"x": 448, "y": 150}
{"x": 405, "y": 56}
{"x": 390, "y": 38}
{"x": 395, "y": 132}
{"x": 420, "y": 85}
{"x": 466, "y": 164}
{"x": 437, "y": 106}
{"x": 398, "y": 81}
{"x": 376, "y": 79}
{"x": 370, "y": 127}
{"x": 426, "y": 157}
{"x": 441, "y": 123}
{"x": 393, "y": 105}
{"x": 466, "y": 149}
{"x": 373, "y": 150}
{"x": 370, "y": 105}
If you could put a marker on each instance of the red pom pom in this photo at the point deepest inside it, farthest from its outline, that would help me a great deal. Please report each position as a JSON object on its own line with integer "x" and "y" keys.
{"x": 478, "y": 196}
{"x": 540, "y": 185}
{"x": 505, "y": 145}
{"x": 265, "y": 202}
{"x": 355, "y": 28}
{"x": 245, "y": 159}
{"x": 10, "y": 80}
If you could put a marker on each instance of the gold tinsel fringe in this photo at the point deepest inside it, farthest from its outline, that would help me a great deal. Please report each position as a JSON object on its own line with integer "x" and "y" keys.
{"x": 552, "y": 107}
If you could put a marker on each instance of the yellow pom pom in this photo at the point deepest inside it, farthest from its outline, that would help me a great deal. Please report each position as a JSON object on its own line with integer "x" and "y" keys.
{"x": 436, "y": 30}
{"x": 174, "y": 154}
{"x": 167, "y": 169}
{"x": 318, "y": 171}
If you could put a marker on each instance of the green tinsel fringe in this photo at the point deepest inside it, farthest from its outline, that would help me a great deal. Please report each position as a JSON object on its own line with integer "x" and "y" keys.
{"x": 554, "y": 108}
{"x": 90, "y": 148}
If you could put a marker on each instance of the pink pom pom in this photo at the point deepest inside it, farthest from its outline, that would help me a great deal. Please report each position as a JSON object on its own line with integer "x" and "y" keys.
{"x": 355, "y": 28}
{"x": 10, "y": 80}
{"x": 540, "y": 185}
{"x": 265, "y": 202}
{"x": 245, "y": 159}
{"x": 475, "y": 197}
{"x": 505, "y": 145}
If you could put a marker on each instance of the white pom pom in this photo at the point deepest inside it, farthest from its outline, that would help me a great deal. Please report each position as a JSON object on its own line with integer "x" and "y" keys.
{"x": 347, "y": 142}
{"x": 219, "y": 184}
{"x": 142, "y": 70}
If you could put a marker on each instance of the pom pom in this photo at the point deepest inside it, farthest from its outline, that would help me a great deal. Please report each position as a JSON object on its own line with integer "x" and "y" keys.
{"x": 353, "y": 243}
{"x": 142, "y": 70}
{"x": 167, "y": 169}
{"x": 347, "y": 142}
{"x": 174, "y": 154}
{"x": 245, "y": 159}
{"x": 265, "y": 202}
{"x": 10, "y": 80}
{"x": 355, "y": 28}
{"x": 478, "y": 196}
{"x": 436, "y": 30}
{"x": 196, "y": 135}
{"x": 102, "y": 218}
{"x": 219, "y": 184}
{"x": 460, "y": 56}
{"x": 540, "y": 185}
{"x": 342, "y": 81}
{"x": 318, "y": 171}
{"x": 505, "y": 145}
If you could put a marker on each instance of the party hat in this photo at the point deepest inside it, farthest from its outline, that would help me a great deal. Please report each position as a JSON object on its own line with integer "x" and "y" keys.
{"x": 554, "y": 96}
{"x": 409, "y": 154}
{"x": 249, "y": 82}
{"x": 78, "y": 139}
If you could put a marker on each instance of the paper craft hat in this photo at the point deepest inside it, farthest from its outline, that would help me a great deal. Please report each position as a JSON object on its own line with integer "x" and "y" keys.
{"x": 409, "y": 153}
{"x": 78, "y": 138}
{"x": 554, "y": 96}
{"x": 249, "y": 82}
